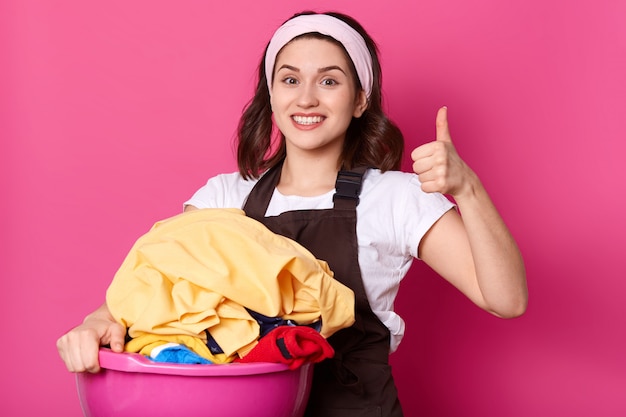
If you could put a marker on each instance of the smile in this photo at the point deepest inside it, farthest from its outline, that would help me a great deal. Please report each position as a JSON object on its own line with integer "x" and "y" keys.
{"x": 307, "y": 120}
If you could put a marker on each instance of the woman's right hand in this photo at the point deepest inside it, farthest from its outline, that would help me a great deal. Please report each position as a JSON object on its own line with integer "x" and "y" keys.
{"x": 79, "y": 347}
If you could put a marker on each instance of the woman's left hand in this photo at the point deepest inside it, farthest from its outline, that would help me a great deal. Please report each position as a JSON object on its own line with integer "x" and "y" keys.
{"x": 438, "y": 165}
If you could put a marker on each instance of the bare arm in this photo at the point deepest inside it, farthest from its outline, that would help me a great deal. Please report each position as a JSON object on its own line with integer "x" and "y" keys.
{"x": 79, "y": 347}
{"x": 475, "y": 252}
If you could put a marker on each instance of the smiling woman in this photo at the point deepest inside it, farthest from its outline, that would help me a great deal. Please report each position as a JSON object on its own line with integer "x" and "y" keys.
{"x": 332, "y": 185}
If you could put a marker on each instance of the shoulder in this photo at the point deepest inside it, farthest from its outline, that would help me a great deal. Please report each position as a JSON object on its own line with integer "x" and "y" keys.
{"x": 232, "y": 180}
{"x": 375, "y": 177}
{"x": 392, "y": 185}
{"x": 227, "y": 190}
{"x": 397, "y": 186}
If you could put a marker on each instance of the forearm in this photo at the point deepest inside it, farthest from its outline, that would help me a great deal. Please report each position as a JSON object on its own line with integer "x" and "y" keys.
{"x": 498, "y": 263}
{"x": 101, "y": 313}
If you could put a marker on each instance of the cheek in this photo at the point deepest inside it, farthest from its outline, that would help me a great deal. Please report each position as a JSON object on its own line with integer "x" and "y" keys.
{"x": 277, "y": 104}
{"x": 349, "y": 109}
{"x": 279, "y": 117}
{"x": 347, "y": 103}
{"x": 277, "y": 101}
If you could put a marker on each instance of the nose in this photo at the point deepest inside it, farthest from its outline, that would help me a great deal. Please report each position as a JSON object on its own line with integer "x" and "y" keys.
{"x": 307, "y": 95}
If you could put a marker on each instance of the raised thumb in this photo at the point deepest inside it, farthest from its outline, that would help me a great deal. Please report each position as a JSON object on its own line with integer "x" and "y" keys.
{"x": 443, "y": 132}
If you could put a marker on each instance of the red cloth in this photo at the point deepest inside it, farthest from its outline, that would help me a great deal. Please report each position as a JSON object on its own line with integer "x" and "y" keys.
{"x": 292, "y": 345}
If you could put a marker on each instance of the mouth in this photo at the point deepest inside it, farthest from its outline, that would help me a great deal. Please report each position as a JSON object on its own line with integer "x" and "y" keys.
{"x": 307, "y": 120}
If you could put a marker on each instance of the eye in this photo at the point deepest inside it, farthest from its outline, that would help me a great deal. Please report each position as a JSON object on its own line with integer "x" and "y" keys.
{"x": 329, "y": 82}
{"x": 290, "y": 81}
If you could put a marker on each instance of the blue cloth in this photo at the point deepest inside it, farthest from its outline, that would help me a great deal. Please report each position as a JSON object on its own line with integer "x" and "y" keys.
{"x": 180, "y": 354}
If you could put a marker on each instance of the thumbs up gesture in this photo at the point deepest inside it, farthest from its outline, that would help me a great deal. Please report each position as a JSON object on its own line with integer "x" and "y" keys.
{"x": 438, "y": 165}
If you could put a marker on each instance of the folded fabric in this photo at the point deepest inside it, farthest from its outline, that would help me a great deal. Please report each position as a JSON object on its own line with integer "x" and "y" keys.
{"x": 199, "y": 271}
{"x": 177, "y": 353}
{"x": 291, "y": 345}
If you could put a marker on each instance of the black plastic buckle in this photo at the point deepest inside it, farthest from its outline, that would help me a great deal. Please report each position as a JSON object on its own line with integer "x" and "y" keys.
{"x": 348, "y": 186}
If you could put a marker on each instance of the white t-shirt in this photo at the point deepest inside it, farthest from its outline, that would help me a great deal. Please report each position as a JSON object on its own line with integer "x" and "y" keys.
{"x": 392, "y": 217}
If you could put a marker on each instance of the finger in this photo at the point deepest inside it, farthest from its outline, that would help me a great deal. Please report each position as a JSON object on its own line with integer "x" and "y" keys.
{"x": 422, "y": 151}
{"x": 431, "y": 182}
{"x": 427, "y": 176}
{"x": 70, "y": 355}
{"x": 90, "y": 359}
{"x": 61, "y": 347}
{"x": 117, "y": 335}
{"x": 87, "y": 351}
{"x": 430, "y": 187}
{"x": 443, "y": 132}
{"x": 427, "y": 182}
{"x": 422, "y": 165}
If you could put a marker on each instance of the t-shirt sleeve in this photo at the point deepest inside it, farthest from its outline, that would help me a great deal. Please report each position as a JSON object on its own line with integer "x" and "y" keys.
{"x": 222, "y": 191}
{"x": 422, "y": 212}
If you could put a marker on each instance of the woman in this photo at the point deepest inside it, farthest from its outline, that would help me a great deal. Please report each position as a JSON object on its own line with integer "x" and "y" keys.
{"x": 334, "y": 161}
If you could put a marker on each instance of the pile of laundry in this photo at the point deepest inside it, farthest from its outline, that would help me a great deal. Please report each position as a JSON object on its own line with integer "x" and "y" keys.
{"x": 215, "y": 286}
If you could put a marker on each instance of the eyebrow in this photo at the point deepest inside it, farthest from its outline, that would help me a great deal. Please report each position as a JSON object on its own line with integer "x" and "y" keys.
{"x": 320, "y": 70}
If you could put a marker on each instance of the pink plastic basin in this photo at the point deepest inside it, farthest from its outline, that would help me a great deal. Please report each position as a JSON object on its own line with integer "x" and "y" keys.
{"x": 131, "y": 385}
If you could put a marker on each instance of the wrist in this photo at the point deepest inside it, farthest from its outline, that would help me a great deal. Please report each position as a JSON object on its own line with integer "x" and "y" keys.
{"x": 470, "y": 188}
{"x": 101, "y": 314}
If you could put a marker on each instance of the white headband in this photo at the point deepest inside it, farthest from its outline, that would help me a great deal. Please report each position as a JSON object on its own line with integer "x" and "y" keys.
{"x": 329, "y": 26}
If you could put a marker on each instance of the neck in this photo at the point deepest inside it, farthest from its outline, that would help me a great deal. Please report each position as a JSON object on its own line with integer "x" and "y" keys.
{"x": 308, "y": 177}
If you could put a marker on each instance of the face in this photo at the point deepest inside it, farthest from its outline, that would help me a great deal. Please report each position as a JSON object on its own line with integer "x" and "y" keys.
{"x": 313, "y": 96}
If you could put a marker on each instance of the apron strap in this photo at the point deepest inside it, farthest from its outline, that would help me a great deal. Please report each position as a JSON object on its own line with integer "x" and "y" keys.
{"x": 259, "y": 198}
{"x": 348, "y": 187}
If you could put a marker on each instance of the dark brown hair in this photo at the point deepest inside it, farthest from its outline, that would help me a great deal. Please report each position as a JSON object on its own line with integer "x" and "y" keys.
{"x": 372, "y": 139}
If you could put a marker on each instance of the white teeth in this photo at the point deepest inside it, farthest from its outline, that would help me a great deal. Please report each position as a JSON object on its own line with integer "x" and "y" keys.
{"x": 302, "y": 120}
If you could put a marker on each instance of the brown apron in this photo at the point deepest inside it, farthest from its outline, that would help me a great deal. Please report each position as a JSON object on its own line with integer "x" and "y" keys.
{"x": 357, "y": 382}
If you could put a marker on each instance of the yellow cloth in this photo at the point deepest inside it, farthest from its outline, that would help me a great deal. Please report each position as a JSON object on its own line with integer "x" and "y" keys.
{"x": 144, "y": 345}
{"x": 198, "y": 270}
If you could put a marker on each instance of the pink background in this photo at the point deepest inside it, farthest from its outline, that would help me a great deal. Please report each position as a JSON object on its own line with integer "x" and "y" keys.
{"x": 113, "y": 113}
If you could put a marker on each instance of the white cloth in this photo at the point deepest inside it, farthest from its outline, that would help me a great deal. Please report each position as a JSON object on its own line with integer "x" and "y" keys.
{"x": 392, "y": 217}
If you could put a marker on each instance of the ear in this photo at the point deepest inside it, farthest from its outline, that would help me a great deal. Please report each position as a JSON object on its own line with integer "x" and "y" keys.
{"x": 360, "y": 104}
